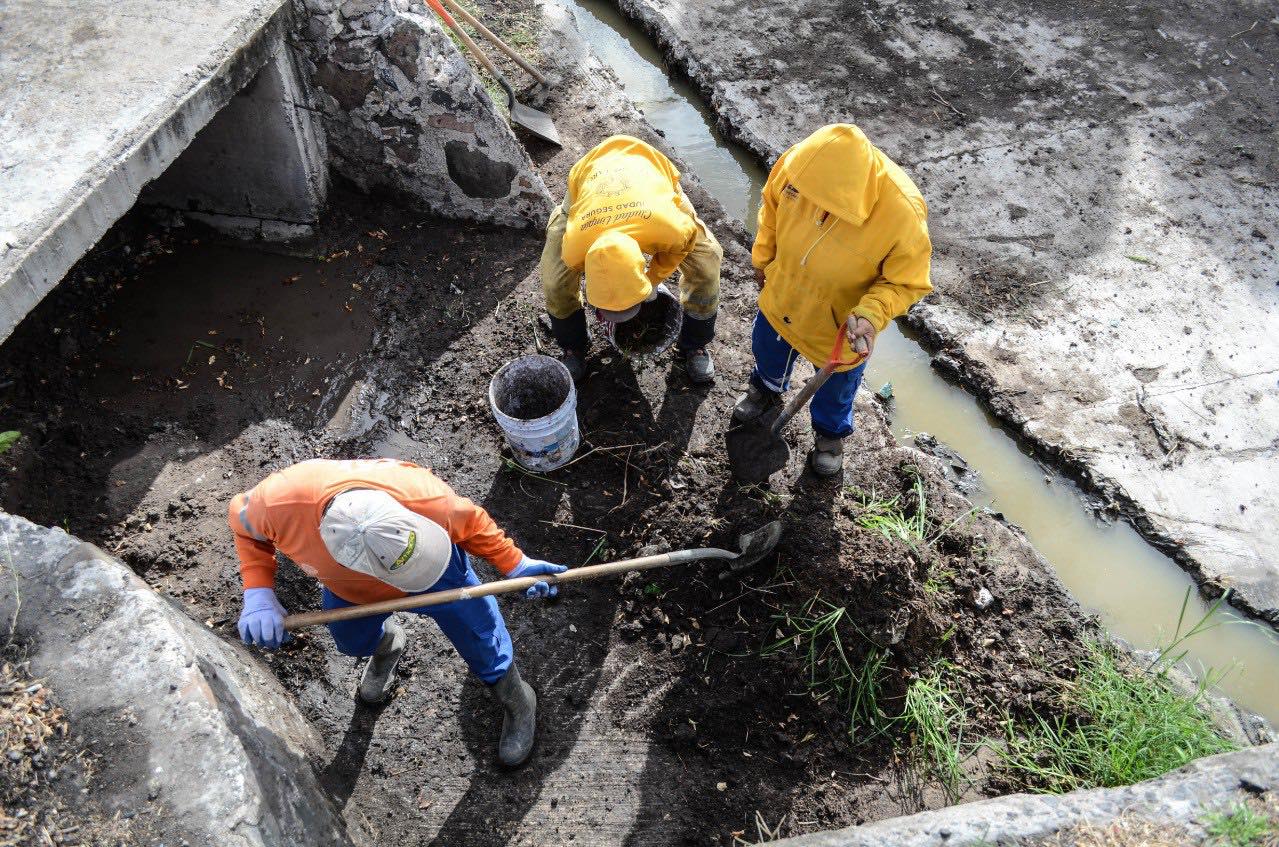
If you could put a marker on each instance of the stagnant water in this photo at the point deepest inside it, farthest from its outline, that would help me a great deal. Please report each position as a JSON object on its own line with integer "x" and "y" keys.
{"x": 1135, "y": 589}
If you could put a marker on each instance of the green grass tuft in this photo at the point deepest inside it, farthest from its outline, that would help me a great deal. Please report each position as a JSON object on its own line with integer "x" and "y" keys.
{"x": 936, "y": 721}
{"x": 1121, "y": 727}
{"x": 889, "y": 518}
{"x": 834, "y": 668}
{"x": 1241, "y": 826}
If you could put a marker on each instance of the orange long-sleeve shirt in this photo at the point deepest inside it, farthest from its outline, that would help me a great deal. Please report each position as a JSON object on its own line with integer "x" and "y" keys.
{"x": 283, "y": 513}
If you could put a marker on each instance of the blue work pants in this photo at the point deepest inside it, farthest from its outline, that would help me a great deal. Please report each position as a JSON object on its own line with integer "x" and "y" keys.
{"x": 474, "y": 626}
{"x": 832, "y": 405}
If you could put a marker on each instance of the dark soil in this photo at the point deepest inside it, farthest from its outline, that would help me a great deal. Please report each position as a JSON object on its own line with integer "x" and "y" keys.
{"x": 48, "y": 773}
{"x": 531, "y": 393}
{"x": 661, "y": 721}
{"x": 652, "y": 330}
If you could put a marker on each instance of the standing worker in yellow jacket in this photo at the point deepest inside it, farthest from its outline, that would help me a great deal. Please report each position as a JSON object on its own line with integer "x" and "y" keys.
{"x": 842, "y": 239}
{"x": 623, "y": 204}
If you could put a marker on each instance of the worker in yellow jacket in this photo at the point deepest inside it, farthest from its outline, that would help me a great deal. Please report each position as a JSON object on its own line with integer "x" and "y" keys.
{"x": 626, "y": 224}
{"x": 842, "y": 239}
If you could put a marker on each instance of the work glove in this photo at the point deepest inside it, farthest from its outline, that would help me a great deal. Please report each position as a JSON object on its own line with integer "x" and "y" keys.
{"x": 262, "y": 619}
{"x": 536, "y": 567}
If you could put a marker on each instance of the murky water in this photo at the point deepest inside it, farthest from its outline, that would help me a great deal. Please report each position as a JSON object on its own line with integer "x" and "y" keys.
{"x": 1135, "y": 589}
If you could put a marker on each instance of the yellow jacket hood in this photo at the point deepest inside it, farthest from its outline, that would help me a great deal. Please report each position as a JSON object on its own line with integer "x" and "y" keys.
{"x": 838, "y": 169}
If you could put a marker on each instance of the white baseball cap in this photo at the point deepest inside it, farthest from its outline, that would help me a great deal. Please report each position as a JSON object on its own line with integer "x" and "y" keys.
{"x": 370, "y": 532}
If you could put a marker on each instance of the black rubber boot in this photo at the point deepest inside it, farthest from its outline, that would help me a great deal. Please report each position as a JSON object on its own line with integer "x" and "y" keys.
{"x": 379, "y": 673}
{"x": 519, "y": 724}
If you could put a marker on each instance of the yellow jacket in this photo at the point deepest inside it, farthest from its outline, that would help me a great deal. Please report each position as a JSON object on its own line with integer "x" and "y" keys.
{"x": 626, "y": 188}
{"x": 842, "y": 230}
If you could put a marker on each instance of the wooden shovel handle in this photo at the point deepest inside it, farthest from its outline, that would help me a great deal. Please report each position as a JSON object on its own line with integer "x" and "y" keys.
{"x": 503, "y": 586}
{"x": 461, "y": 12}
{"x": 466, "y": 38}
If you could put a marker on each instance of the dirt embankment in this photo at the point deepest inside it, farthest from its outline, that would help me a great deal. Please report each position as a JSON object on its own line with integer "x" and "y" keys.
{"x": 150, "y": 391}
{"x": 1098, "y": 182}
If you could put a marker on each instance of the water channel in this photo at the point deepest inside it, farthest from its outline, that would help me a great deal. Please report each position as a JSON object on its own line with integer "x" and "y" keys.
{"x": 1110, "y": 569}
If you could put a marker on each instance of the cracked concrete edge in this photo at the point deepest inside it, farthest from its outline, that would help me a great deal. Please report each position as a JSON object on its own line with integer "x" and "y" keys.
{"x": 1257, "y": 599}
{"x": 182, "y": 718}
{"x": 27, "y": 276}
{"x": 1260, "y": 601}
{"x": 1181, "y": 797}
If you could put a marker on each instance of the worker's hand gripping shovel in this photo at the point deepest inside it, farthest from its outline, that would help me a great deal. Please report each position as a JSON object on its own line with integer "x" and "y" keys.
{"x": 861, "y": 350}
{"x": 754, "y": 546}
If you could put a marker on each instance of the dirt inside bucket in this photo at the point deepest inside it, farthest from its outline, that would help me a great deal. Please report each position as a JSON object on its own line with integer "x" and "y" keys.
{"x": 530, "y": 389}
{"x": 652, "y": 330}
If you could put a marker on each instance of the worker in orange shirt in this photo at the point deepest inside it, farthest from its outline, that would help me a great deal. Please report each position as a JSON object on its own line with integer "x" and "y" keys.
{"x": 373, "y": 530}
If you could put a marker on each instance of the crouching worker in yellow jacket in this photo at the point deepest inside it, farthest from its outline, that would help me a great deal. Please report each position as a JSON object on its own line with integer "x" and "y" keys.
{"x": 842, "y": 239}
{"x": 623, "y": 204}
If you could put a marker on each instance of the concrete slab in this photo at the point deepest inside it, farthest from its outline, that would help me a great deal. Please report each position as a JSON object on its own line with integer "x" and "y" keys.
{"x": 97, "y": 98}
{"x": 1100, "y": 184}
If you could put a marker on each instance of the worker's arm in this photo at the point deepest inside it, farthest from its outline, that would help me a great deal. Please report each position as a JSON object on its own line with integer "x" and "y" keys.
{"x": 764, "y": 250}
{"x": 667, "y": 259}
{"x": 261, "y": 616}
{"x": 904, "y": 279}
{"x": 257, "y": 554}
{"x": 472, "y": 529}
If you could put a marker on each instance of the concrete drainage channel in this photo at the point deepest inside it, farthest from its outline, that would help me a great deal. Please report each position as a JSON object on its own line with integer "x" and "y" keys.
{"x": 1137, "y": 590}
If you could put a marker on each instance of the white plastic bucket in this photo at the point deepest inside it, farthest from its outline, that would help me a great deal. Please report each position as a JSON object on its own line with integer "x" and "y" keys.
{"x": 535, "y": 404}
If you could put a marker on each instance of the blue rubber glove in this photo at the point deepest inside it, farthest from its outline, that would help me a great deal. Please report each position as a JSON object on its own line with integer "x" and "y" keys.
{"x": 536, "y": 567}
{"x": 262, "y": 620}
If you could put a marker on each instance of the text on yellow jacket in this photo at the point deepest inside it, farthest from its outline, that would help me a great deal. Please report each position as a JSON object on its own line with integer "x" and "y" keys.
{"x": 624, "y": 202}
{"x": 842, "y": 230}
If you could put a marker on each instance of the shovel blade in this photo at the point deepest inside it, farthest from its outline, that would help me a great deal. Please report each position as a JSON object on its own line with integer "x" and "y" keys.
{"x": 538, "y": 123}
{"x": 756, "y": 545}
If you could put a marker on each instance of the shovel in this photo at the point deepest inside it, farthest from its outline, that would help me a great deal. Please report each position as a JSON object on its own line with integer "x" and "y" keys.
{"x": 538, "y": 123}
{"x": 754, "y": 546}
{"x": 819, "y": 379}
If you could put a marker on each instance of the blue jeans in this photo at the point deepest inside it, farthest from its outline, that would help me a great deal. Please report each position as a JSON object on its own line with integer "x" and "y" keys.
{"x": 474, "y": 626}
{"x": 832, "y": 405}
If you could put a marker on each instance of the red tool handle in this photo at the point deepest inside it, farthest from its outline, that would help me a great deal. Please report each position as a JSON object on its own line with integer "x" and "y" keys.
{"x": 819, "y": 379}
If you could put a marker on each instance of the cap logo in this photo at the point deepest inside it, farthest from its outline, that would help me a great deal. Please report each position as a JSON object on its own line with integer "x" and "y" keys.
{"x": 406, "y": 555}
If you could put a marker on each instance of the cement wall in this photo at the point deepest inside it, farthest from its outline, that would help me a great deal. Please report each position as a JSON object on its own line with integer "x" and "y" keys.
{"x": 403, "y": 111}
{"x": 1182, "y": 798}
{"x": 259, "y": 168}
{"x": 189, "y": 722}
{"x": 95, "y": 105}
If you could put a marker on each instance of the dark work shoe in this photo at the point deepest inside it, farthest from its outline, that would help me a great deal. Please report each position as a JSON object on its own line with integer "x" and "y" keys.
{"x": 379, "y": 673}
{"x": 827, "y": 458}
{"x": 576, "y": 364}
{"x": 519, "y": 723}
{"x": 699, "y": 366}
{"x": 754, "y": 403}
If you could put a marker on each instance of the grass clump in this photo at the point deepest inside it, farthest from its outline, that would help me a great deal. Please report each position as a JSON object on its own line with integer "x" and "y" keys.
{"x": 889, "y": 518}
{"x": 1241, "y": 826}
{"x": 834, "y": 668}
{"x": 936, "y": 721}
{"x": 1120, "y": 727}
